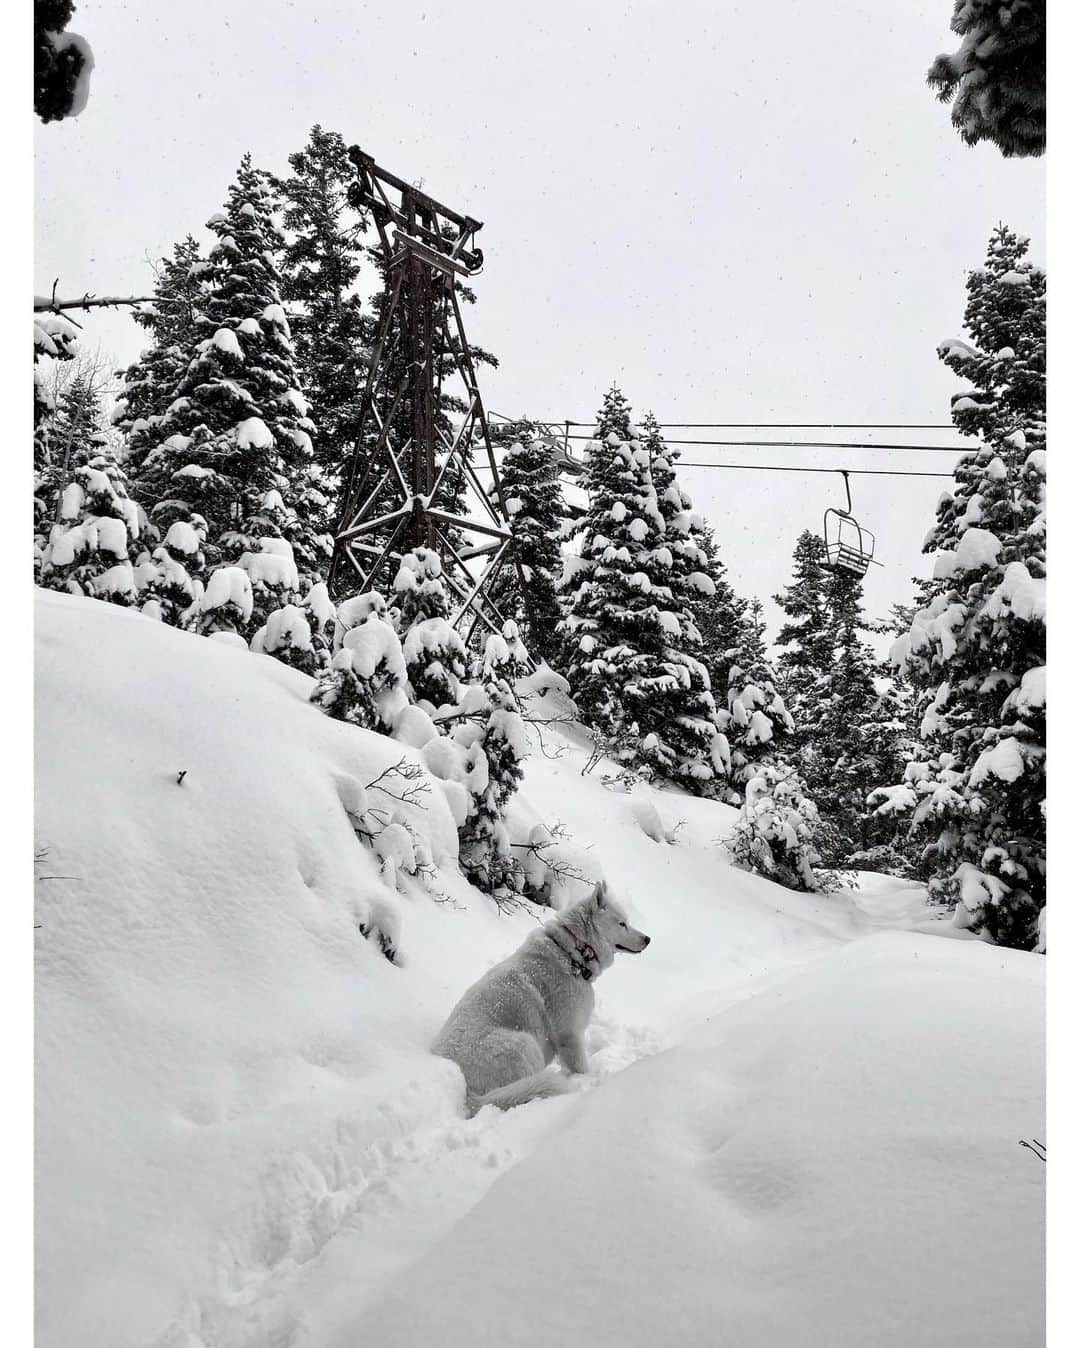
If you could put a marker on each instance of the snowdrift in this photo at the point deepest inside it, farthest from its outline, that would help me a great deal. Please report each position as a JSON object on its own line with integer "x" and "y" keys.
{"x": 242, "y": 1139}
{"x": 833, "y": 1162}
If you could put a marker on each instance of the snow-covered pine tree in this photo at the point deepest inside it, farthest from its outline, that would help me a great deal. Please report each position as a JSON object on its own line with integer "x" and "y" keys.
{"x": 614, "y": 416}
{"x": 976, "y": 650}
{"x": 778, "y": 829}
{"x": 692, "y": 726}
{"x": 319, "y": 271}
{"x": 54, "y": 342}
{"x": 94, "y": 545}
{"x": 366, "y": 682}
{"x": 840, "y": 760}
{"x": 996, "y": 79}
{"x": 237, "y": 436}
{"x": 756, "y": 722}
{"x": 533, "y": 495}
{"x": 435, "y": 657}
{"x": 68, "y": 430}
{"x": 150, "y": 384}
{"x": 62, "y": 62}
{"x": 492, "y": 723}
{"x": 171, "y": 580}
{"x": 622, "y": 620}
{"x": 718, "y": 617}
{"x": 805, "y": 663}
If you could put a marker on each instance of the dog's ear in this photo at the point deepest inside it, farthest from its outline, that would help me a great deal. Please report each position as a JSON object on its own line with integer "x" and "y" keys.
{"x": 600, "y": 893}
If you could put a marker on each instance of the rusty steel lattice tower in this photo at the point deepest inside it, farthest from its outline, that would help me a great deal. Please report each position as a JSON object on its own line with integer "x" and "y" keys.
{"x": 410, "y": 463}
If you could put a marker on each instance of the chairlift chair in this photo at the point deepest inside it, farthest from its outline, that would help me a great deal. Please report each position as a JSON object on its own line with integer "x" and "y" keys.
{"x": 848, "y": 546}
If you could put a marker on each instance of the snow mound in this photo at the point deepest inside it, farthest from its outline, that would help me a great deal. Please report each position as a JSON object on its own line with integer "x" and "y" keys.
{"x": 204, "y": 994}
{"x": 243, "y": 1139}
{"x": 832, "y": 1162}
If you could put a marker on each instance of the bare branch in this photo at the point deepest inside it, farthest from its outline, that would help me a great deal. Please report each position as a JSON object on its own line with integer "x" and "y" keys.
{"x": 411, "y": 773}
{"x": 88, "y": 301}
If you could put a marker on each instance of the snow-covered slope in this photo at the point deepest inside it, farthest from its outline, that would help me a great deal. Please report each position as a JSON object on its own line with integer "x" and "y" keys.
{"x": 242, "y": 1139}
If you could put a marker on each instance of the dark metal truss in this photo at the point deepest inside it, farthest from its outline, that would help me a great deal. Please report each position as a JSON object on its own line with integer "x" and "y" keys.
{"x": 407, "y": 452}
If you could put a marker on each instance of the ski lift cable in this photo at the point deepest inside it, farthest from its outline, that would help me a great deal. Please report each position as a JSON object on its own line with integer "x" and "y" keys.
{"x": 794, "y": 468}
{"x": 790, "y": 468}
{"x": 809, "y": 444}
{"x": 788, "y": 425}
{"x": 775, "y": 444}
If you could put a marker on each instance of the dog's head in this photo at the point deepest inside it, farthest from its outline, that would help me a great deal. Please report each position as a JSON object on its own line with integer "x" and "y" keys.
{"x": 604, "y": 925}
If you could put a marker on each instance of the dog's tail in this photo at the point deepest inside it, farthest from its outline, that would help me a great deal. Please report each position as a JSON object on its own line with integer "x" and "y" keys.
{"x": 537, "y": 1087}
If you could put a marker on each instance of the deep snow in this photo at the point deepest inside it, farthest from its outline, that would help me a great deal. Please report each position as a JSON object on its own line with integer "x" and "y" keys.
{"x": 242, "y": 1139}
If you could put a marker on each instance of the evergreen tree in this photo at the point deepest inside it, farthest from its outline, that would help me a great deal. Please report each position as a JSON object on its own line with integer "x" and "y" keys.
{"x": 435, "y": 658}
{"x": 757, "y": 723}
{"x": 171, "y": 580}
{"x": 845, "y": 730}
{"x": 320, "y": 268}
{"x": 491, "y": 724}
{"x": 624, "y": 634}
{"x": 976, "y": 649}
{"x": 93, "y": 547}
{"x": 996, "y": 80}
{"x": 806, "y": 662}
{"x": 70, "y": 434}
{"x": 151, "y": 383}
{"x": 62, "y": 62}
{"x": 614, "y": 417}
{"x": 719, "y": 617}
{"x": 700, "y": 753}
{"x": 778, "y": 830}
{"x": 236, "y": 447}
{"x": 366, "y": 683}
{"x": 530, "y": 483}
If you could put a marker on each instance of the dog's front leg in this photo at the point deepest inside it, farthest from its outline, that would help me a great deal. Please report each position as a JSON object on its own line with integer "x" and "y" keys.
{"x": 572, "y": 1055}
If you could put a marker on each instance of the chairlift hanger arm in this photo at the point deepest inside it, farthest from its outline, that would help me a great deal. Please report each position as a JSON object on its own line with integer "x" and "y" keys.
{"x": 415, "y": 212}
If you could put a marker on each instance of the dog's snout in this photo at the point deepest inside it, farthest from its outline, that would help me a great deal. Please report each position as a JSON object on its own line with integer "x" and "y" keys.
{"x": 645, "y": 941}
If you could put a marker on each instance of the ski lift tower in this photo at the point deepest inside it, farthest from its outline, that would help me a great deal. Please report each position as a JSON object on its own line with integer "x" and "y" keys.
{"x": 409, "y": 462}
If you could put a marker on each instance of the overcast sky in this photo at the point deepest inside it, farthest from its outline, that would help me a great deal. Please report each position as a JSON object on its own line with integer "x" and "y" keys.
{"x": 736, "y": 211}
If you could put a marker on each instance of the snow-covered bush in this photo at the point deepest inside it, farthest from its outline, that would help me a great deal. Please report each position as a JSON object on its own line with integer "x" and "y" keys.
{"x": 226, "y": 603}
{"x": 435, "y": 657}
{"x": 366, "y": 682}
{"x": 490, "y": 723}
{"x": 777, "y": 830}
{"x": 170, "y": 580}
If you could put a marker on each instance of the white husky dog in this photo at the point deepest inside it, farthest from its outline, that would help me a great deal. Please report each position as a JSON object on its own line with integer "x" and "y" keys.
{"x": 511, "y": 1023}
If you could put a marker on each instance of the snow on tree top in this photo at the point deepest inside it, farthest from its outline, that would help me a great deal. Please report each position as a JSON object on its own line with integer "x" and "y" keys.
{"x": 228, "y": 585}
{"x": 225, "y": 340}
{"x": 956, "y": 347}
{"x": 195, "y": 470}
{"x": 287, "y": 627}
{"x": 1015, "y": 278}
{"x": 977, "y": 548}
{"x": 1021, "y": 592}
{"x": 181, "y": 537}
{"x": 270, "y": 567}
{"x": 320, "y": 605}
{"x": 253, "y": 433}
{"x": 1002, "y": 760}
{"x": 1032, "y": 691}
{"x": 275, "y": 314}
